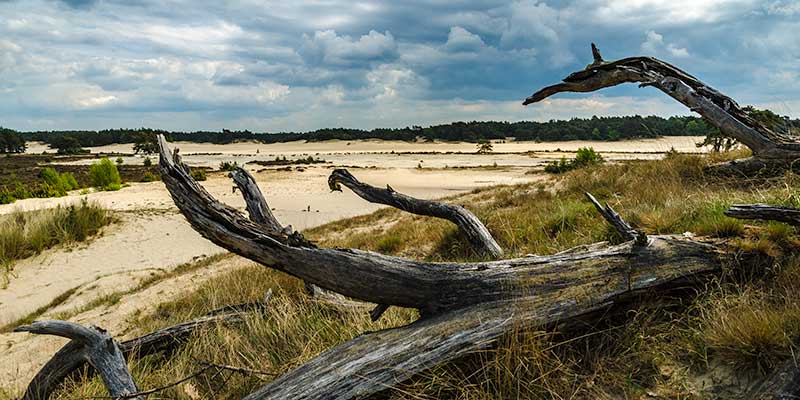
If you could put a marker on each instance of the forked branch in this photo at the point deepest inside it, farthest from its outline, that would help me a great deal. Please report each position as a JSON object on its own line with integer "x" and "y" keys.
{"x": 720, "y": 110}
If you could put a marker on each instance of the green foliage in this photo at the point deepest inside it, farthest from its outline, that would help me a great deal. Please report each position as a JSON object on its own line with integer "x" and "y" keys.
{"x": 586, "y": 156}
{"x": 104, "y": 175}
{"x": 147, "y": 162}
{"x": 228, "y": 165}
{"x": 24, "y": 234}
{"x": 11, "y": 141}
{"x": 149, "y": 177}
{"x": 67, "y": 145}
{"x": 145, "y": 141}
{"x": 198, "y": 174}
{"x": 119, "y": 161}
{"x": 484, "y": 146}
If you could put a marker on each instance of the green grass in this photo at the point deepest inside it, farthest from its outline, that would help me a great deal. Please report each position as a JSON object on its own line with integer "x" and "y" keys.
{"x": 745, "y": 322}
{"x": 25, "y": 234}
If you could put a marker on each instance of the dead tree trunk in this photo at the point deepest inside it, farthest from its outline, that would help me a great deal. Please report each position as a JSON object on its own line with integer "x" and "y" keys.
{"x": 71, "y": 358}
{"x": 476, "y": 233}
{"x": 771, "y": 150}
{"x": 765, "y": 212}
{"x": 465, "y": 306}
{"x": 96, "y": 347}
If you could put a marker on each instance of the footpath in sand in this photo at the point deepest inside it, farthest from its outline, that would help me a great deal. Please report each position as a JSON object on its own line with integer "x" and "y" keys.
{"x": 152, "y": 237}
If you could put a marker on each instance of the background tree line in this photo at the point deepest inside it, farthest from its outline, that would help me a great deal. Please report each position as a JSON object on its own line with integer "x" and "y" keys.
{"x": 595, "y": 128}
{"x": 11, "y": 141}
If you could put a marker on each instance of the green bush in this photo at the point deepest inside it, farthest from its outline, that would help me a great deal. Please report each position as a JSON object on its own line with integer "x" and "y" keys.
{"x": 586, "y": 156}
{"x": 228, "y": 165}
{"x": 105, "y": 176}
{"x": 198, "y": 174}
{"x": 120, "y": 161}
{"x": 147, "y": 162}
{"x": 68, "y": 181}
{"x": 149, "y": 177}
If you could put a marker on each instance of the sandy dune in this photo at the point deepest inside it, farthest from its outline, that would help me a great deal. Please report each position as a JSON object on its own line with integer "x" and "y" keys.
{"x": 153, "y": 236}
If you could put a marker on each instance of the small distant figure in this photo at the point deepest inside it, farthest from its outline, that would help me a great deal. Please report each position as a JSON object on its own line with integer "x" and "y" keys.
{"x": 308, "y": 209}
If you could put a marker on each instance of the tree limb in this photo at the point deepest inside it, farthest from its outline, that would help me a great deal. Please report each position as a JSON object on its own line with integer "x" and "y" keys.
{"x": 472, "y": 227}
{"x": 717, "y": 108}
{"x": 97, "y": 347}
{"x": 765, "y": 212}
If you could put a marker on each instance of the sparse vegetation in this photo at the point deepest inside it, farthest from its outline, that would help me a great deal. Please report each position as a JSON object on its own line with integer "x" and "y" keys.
{"x": 104, "y": 175}
{"x": 24, "y": 234}
{"x": 744, "y": 323}
{"x": 584, "y": 157}
{"x": 228, "y": 165}
{"x": 198, "y": 174}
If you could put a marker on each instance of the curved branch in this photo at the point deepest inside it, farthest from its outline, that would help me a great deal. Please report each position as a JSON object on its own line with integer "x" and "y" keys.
{"x": 472, "y": 227}
{"x": 717, "y": 108}
{"x": 256, "y": 204}
{"x": 94, "y": 345}
{"x": 765, "y": 212}
{"x": 71, "y": 358}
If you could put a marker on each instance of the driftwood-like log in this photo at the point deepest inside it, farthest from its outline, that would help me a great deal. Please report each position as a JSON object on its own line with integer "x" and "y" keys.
{"x": 765, "y": 212}
{"x": 770, "y": 149}
{"x": 781, "y": 384}
{"x": 465, "y": 306}
{"x": 474, "y": 230}
{"x": 70, "y": 359}
{"x": 96, "y": 347}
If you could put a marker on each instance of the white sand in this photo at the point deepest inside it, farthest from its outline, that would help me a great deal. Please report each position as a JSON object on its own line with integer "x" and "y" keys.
{"x": 152, "y": 235}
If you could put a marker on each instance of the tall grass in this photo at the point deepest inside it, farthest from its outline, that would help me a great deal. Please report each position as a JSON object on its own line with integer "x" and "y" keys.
{"x": 24, "y": 234}
{"x": 653, "y": 348}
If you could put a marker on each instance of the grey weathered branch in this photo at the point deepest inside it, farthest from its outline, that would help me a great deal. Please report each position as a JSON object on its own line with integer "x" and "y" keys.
{"x": 255, "y": 202}
{"x": 781, "y": 384}
{"x": 71, "y": 359}
{"x": 465, "y": 306}
{"x": 770, "y": 148}
{"x": 95, "y": 346}
{"x": 790, "y": 215}
{"x": 472, "y": 227}
{"x": 623, "y": 228}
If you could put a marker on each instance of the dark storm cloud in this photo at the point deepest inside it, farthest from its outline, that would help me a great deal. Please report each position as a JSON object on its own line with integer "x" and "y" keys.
{"x": 294, "y": 65}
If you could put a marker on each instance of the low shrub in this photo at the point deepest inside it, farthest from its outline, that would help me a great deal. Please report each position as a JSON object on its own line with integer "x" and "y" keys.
{"x": 149, "y": 177}
{"x": 586, "y": 156}
{"x": 198, "y": 174}
{"x": 228, "y": 165}
{"x": 104, "y": 175}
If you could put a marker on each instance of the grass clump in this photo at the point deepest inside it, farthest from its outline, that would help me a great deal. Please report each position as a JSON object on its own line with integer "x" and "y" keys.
{"x": 25, "y": 234}
{"x": 228, "y": 165}
{"x": 198, "y": 174}
{"x": 104, "y": 175}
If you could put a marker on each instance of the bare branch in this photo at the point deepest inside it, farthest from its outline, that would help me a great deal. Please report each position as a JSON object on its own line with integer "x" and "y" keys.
{"x": 476, "y": 233}
{"x": 623, "y": 228}
{"x": 100, "y": 349}
{"x": 765, "y": 212}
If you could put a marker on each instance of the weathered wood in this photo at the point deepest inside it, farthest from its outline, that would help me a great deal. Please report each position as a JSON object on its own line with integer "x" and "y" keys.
{"x": 255, "y": 202}
{"x": 71, "y": 359}
{"x": 790, "y": 215}
{"x": 623, "y": 228}
{"x": 96, "y": 347}
{"x": 782, "y": 384}
{"x": 474, "y": 230}
{"x": 770, "y": 149}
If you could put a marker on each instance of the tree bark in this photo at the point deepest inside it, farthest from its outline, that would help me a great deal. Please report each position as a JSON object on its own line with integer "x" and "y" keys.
{"x": 477, "y": 234}
{"x": 765, "y": 212}
{"x": 782, "y": 384}
{"x": 95, "y": 346}
{"x": 465, "y": 306}
{"x": 771, "y": 150}
{"x": 71, "y": 358}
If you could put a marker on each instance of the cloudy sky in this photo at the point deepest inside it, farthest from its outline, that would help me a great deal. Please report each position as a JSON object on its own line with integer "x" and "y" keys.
{"x": 301, "y": 65}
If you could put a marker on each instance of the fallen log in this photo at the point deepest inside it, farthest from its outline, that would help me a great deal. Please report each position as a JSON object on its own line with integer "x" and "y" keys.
{"x": 71, "y": 359}
{"x": 772, "y": 151}
{"x": 765, "y": 212}
{"x": 474, "y": 230}
{"x": 464, "y": 306}
{"x": 781, "y": 384}
{"x": 96, "y": 347}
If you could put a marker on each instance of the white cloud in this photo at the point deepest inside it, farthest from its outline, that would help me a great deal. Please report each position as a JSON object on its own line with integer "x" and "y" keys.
{"x": 654, "y": 44}
{"x": 327, "y": 47}
{"x": 462, "y": 40}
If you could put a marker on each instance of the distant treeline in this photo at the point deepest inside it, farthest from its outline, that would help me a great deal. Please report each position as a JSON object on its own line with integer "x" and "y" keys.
{"x": 11, "y": 141}
{"x": 595, "y": 128}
